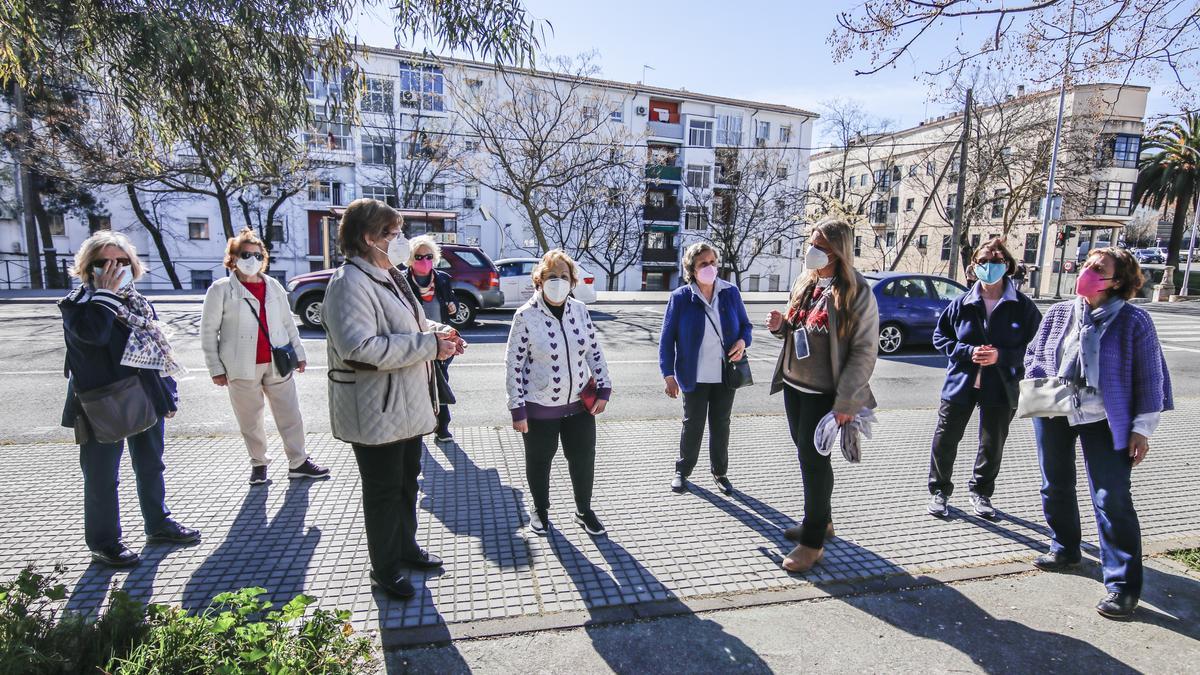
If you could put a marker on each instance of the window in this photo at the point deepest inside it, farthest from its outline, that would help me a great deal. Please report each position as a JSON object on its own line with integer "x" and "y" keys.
{"x": 782, "y": 172}
{"x": 889, "y": 240}
{"x": 97, "y": 223}
{"x": 378, "y": 95}
{"x": 912, "y": 171}
{"x": 693, "y": 218}
{"x": 57, "y": 224}
{"x": 762, "y": 133}
{"x": 945, "y": 247}
{"x": 197, "y": 228}
{"x": 381, "y": 192}
{"x": 1035, "y": 208}
{"x": 923, "y": 242}
{"x": 471, "y": 146}
{"x": 852, "y": 180}
{"x": 909, "y": 204}
{"x": 951, "y": 204}
{"x": 897, "y": 173}
{"x": 435, "y": 196}
{"x": 944, "y": 290}
{"x": 999, "y": 203}
{"x": 785, "y": 135}
{"x": 1111, "y": 198}
{"x": 656, "y": 240}
{"x": 201, "y": 279}
{"x": 858, "y": 245}
{"x": 930, "y": 168}
{"x": 863, "y": 180}
{"x": 777, "y": 247}
{"x": 319, "y": 87}
{"x": 422, "y": 87}
{"x": 470, "y": 195}
{"x": 773, "y": 283}
{"x": 893, "y": 205}
{"x": 907, "y": 288}
{"x": 1031, "y": 249}
{"x": 378, "y": 153}
{"x": 329, "y": 191}
{"x": 729, "y": 129}
{"x": 617, "y": 115}
{"x": 590, "y": 114}
{"x": 752, "y": 283}
{"x": 1119, "y": 151}
{"x": 975, "y": 241}
{"x": 700, "y": 133}
{"x": 327, "y": 131}
{"x": 278, "y": 230}
{"x": 879, "y": 211}
{"x": 472, "y": 258}
{"x": 697, "y": 176}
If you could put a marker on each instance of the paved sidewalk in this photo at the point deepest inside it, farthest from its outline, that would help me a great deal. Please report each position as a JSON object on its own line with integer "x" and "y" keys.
{"x": 665, "y": 553}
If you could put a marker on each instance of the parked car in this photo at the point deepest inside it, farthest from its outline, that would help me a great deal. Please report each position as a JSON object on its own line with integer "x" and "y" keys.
{"x": 475, "y": 280}
{"x": 1150, "y": 256}
{"x": 516, "y": 282}
{"x": 909, "y": 306}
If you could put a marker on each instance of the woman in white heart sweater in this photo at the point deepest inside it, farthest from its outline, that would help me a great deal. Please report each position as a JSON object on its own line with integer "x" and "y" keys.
{"x": 557, "y": 383}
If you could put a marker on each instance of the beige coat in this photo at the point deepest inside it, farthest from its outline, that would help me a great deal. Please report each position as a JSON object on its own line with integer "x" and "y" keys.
{"x": 229, "y": 332}
{"x": 381, "y": 387}
{"x": 853, "y": 356}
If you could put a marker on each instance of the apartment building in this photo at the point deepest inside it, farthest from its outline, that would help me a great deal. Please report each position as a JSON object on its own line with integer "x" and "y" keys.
{"x": 883, "y": 182}
{"x": 681, "y": 133}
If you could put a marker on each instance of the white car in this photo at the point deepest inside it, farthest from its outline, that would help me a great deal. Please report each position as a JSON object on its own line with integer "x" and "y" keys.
{"x": 516, "y": 282}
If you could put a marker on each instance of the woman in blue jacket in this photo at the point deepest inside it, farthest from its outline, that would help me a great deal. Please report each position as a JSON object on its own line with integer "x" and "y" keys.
{"x": 705, "y": 323}
{"x": 984, "y": 333}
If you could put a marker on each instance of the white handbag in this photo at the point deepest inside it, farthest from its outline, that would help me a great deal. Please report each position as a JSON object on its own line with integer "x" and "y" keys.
{"x": 1047, "y": 397}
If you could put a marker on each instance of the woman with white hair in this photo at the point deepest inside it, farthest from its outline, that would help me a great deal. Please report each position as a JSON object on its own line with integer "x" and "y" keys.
{"x": 432, "y": 288}
{"x": 121, "y": 387}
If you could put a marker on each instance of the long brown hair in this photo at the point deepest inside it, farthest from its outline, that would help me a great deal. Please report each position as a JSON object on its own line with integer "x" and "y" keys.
{"x": 840, "y": 237}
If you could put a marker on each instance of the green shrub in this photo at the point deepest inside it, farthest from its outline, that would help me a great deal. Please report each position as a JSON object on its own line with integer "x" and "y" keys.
{"x": 238, "y": 633}
{"x": 1188, "y": 556}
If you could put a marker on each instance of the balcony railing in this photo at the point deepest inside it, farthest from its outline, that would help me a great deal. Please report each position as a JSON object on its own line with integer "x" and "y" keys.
{"x": 665, "y": 130}
{"x": 667, "y": 213}
{"x": 660, "y": 172}
{"x": 660, "y": 255}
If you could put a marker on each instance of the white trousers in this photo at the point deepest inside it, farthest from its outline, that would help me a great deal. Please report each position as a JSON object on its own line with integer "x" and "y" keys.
{"x": 247, "y": 398}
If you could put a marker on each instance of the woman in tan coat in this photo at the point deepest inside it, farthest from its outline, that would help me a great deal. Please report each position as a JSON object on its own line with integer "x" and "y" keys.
{"x": 830, "y": 342}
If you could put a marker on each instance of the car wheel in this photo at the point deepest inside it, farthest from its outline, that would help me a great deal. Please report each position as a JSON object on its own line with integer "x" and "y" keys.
{"x": 310, "y": 310}
{"x": 891, "y": 338}
{"x": 467, "y": 310}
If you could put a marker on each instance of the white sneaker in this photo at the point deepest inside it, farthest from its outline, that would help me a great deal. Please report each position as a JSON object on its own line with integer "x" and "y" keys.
{"x": 539, "y": 522}
{"x": 939, "y": 505}
{"x": 982, "y": 506}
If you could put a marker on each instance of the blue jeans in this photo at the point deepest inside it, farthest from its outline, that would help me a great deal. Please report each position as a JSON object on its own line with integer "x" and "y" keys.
{"x": 1108, "y": 470}
{"x": 101, "y": 464}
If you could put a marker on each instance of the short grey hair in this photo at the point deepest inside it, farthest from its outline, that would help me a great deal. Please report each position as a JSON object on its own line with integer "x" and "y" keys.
{"x": 89, "y": 253}
{"x": 690, "y": 255}
{"x": 424, "y": 241}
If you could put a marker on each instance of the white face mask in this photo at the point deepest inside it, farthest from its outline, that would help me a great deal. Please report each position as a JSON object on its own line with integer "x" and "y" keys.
{"x": 397, "y": 251}
{"x": 556, "y": 290}
{"x": 815, "y": 258}
{"x": 249, "y": 266}
{"x": 126, "y": 278}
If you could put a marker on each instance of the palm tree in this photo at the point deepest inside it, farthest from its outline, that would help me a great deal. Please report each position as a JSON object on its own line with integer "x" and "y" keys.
{"x": 1169, "y": 173}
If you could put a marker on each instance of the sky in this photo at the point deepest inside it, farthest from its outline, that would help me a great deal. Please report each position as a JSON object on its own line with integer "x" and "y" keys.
{"x": 773, "y": 52}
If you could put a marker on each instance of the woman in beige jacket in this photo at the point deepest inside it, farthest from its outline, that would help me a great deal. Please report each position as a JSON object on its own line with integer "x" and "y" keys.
{"x": 382, "y": 393}
{"x": 830, "y": 342}
{"x": 245, "y": 315}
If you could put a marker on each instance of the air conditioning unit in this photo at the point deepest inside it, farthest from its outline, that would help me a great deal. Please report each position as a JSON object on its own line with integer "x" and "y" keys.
{"x": 468, "y": 203}
{"x": 408, "y": 96}
{"x": 641, "y": 110}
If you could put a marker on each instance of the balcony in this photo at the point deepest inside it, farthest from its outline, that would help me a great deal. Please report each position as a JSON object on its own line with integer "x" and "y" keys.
{"x": 660, "y": 172}
{"x": 665, "y": 130}
{"x": 669, "y": 213}
{"x": 667, "y": 256}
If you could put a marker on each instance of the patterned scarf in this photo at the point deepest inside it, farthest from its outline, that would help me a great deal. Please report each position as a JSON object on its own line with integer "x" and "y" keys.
{"x": 813, "y": 314}
{"x": 147, "y": 346}
{"x": 1081, "y": 348}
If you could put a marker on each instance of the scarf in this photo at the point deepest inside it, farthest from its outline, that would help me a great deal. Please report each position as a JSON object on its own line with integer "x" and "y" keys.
{"x": 147, "y": 346}
{"x": 425, "y": 289}
{"x": 812, "y": 312}
{"x": 1081, "y": 348}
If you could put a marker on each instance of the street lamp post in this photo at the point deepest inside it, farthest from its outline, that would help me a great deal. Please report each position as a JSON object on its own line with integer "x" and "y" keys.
{"x": 1187, "y": 269}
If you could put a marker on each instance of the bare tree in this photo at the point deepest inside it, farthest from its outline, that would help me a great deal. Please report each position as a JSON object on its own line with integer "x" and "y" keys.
{"x": 541, "y": 136}
{"x": 750, "y": 208}
{"x": 610, "y": 221}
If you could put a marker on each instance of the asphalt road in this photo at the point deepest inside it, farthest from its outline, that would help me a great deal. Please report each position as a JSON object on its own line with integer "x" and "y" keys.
{"x": 31, "y": 361}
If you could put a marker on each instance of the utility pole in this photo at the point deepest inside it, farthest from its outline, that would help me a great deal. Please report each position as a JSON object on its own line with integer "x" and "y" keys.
{"x": 1187, "y": 270}
{"x": 1046, "y": 206}
{"x": 960, "y": 200}
{"x": 25, "y": 185}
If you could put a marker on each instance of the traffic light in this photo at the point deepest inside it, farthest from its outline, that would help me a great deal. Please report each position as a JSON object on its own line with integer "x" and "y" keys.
{"x": 1069, "y": 230}
{"x": 1060, "y": 239}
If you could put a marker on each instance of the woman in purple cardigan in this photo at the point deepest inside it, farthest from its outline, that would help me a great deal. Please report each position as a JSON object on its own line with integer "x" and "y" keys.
{"x": 1101, "y": 341}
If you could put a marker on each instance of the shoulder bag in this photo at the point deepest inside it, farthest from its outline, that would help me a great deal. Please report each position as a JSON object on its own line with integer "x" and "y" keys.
{"x": 285, "y": 357}
{"x": 117, "y": 411}
{"x": 1047, "y": 397}
{"x": 734, "y": 374}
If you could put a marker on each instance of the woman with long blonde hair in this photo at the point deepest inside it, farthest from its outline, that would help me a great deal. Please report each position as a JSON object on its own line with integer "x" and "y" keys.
{"x": 830, "y": 335}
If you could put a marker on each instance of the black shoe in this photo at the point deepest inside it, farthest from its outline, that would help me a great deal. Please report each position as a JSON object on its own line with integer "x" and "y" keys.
{"x": 424, "y": 561}
{"x": 1117, "y": 605}
{"x": 724, "y": 484}
{"x": 591, "y": 524}
{"x": 1055, "y": 562}
{"x": 117, "y": 555}
{"x": 398, "y": 587}
{"x": 309, "y": 469}
{"x": 539, "y": 522}
{"x": 444, "y": 436}
{"x": 258, "y": 475}
{"x": 172, "y": 532}
{"x": 679, "y": 483}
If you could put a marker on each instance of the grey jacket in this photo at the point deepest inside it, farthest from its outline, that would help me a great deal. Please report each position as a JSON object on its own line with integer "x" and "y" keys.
{"x": 381, "y": 387}
{"x": 853, "y": 356}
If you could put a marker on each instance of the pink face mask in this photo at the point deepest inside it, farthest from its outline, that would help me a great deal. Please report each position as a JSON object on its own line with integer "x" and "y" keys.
{"x": 422, "y": 267}
{"x": 1090, "y": 282}
{"x": 707, "y": 275}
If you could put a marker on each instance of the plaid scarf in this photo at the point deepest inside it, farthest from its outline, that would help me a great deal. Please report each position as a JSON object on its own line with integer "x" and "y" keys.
{"x": 147, "y": 346}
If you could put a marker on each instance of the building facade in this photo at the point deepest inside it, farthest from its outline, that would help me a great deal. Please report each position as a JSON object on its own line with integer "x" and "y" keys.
{"x": 385, "y": 148}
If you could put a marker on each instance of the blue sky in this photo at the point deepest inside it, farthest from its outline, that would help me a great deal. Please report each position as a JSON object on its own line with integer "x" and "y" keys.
{"x": 765, "y": 51}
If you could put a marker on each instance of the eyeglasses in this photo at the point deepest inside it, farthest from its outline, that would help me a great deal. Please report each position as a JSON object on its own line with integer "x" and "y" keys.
{"x": 392, "y": 235}
{"x": 246, "y": 255}
{"x": 423, "y": 256}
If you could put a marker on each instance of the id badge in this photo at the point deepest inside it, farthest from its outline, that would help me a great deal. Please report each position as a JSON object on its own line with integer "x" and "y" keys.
{"x": 800, "y": 343}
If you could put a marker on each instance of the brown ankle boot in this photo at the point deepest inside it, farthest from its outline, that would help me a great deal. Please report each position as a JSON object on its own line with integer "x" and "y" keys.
{"x": 793, "y": 533}
{"x": 802, "y": 558}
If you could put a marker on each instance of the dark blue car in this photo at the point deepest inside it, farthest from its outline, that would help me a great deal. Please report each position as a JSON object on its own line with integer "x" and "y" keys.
{"x": 909, "y": 306}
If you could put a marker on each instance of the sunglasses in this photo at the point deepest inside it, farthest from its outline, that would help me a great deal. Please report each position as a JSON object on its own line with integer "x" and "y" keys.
{"x": 122, "y": 262}
{"x": 246, "y": 255}
{"x": 423, "y": 256}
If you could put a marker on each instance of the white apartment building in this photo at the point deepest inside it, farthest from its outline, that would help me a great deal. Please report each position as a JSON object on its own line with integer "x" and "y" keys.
{"x": 401, "y": 86}
{"x": 882, "y": 182}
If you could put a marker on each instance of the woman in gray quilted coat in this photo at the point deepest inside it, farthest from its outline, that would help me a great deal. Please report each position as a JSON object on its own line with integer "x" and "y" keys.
{"x": 382, "y": 395}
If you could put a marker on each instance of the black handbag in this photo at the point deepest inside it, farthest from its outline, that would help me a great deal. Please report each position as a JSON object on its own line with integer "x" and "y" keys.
{"x": 285, "y": 357}
{"x": 734, "y": 374}
{"x": 119, "y": 410}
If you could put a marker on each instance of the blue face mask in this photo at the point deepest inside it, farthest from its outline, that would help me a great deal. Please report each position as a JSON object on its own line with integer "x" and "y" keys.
{"x": 990, "y": 273}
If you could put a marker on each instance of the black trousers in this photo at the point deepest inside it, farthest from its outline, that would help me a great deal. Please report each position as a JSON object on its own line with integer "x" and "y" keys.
{"x": 804, "y": 411}
{"x": 389, "y": 492}
{"x": 993, "y": 432}
{"x": 714, "y": 403}
{"x": 578, "y": 435}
